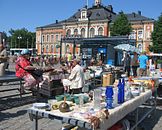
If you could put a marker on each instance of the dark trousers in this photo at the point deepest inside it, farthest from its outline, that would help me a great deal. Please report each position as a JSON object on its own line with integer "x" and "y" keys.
{"x": 127, "y": 69}
{"x": 134, "y": 68}
{"x": 142, "y": 72}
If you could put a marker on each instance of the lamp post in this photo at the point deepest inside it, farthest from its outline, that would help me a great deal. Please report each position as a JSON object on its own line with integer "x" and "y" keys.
{"x": 27, "y": 43}
{"x": 19, "y": 37}
{"x": 41, "y": 47}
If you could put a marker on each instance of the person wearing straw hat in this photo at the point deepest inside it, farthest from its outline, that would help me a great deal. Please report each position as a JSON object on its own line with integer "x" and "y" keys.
{"x": 76, "y": 81}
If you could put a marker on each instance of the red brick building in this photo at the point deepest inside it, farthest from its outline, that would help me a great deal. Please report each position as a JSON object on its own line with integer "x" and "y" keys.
{"x": 87, "y": 23}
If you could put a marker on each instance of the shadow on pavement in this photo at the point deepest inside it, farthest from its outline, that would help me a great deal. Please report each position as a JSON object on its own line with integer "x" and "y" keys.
{"x": 7, "y": 115}
{"x": 151, "y": 121}
{"x": 16, "y": 102}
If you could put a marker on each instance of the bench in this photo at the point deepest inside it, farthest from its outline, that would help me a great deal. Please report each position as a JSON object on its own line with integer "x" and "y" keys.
{"x": 8, "y": 78}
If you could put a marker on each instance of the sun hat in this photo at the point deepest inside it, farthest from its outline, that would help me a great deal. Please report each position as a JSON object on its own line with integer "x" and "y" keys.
{"x": 25, "y": 51}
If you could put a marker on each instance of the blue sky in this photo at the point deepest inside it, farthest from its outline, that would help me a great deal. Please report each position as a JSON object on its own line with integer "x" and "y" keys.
{"x": 30, "y": 14}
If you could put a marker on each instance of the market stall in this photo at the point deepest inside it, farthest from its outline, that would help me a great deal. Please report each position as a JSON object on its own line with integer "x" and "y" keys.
{"x": 76, "y": 115}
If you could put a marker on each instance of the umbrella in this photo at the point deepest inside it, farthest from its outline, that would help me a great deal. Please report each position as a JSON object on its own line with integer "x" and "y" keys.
{"x": 127, "y": 47}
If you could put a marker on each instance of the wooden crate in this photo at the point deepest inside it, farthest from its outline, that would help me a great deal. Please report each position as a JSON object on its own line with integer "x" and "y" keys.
{"x": 50, "y": 87}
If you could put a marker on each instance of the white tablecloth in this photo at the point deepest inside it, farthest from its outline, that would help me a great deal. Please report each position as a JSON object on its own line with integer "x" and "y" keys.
{"x": 116, "y": 114}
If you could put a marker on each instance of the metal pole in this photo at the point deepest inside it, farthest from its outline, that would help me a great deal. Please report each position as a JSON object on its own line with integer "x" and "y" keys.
{"x": 27, "y": 43}
{"x": 61, "y": 48}
{"x": 32, "y": 46}
{"x": 74, "y": 49}
{"x": 41, "y": 49}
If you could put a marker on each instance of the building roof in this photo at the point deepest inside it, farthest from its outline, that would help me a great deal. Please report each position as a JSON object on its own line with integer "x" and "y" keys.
{"x": 56, "y": 24}
{"x": 98, "y": 13}
{"x": 134, "y": 17}
{"x": 94, "y": 13}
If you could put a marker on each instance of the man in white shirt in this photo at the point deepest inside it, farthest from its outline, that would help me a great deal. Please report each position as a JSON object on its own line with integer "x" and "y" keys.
{"x": 76, "y": 79}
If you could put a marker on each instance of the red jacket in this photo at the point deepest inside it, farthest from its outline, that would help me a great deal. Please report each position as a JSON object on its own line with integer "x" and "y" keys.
{"x": 21, "y": 63}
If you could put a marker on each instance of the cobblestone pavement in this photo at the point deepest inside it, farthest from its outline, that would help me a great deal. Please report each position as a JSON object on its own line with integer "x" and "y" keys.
{"x": 13, "y": 114}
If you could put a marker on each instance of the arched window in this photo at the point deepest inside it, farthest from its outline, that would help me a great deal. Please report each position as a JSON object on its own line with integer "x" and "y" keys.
{"x": 67, "y": 48}
{"x": 57, "y": 38}
{"x": 140, "y": 47}
{"x": 68, "y": 33}
{"x": 43, "y": 38}
{"x": 48, "y": 38}
{"x": 43, "y": 48}
{"x": 75, "y": 32}
{"x": 47, "y": 49}
{"x": 100, "y": 31}
{"x": 92, "y": 32}
{"x": 52, "y": 38}
{"x": 57, "y": 48}
{"x": 52, "y": 48}
{"x": 83, "y": 32}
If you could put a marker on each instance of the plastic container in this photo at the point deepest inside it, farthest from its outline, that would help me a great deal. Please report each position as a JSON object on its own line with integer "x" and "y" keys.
{"x": 115, "y": 97}
{"x": 119, "y": 92}
{"x": 97, "y": 99}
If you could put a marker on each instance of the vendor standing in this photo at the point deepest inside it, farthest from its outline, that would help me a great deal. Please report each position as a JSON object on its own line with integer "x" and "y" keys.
{"x": 127, "y": 64}
{"x": 143, "y": 64}
{"x": 3, "y": 59}
{"x": 76, "y": 81}
{"x": 134, "y": 64}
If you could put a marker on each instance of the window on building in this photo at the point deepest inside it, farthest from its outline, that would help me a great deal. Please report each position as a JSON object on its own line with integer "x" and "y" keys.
{"x": 75, "y": 32}
{"x": 140, "y": 47}
{"x": 140, "y": 34}
{"x": 83, "y": 32}
{"x": 92, "y": 32}
{"x": 68, "y": 33}
{"x": 148, "y": 35}
{"x": 57, "y": 49}
{"x": 48, "y": 38}
{"x": 57, "y": 36}
{"x": 47, "y": 49}
{"x": 83, "y": 14}
{"x": 52, "y": 48}
{"x": 100, "y": 31}
{"x": 132, "y": 35}
{"x": 43, "y": 38}
{"x": 52, "y": 38}
{"x": 43, "y": 49}
{"x": 67, "y": 48}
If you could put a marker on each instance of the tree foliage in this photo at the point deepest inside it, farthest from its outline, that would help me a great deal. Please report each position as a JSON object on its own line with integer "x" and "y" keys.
{"x": 21, "y": 38}
{"x": 157, "y": 36}
{"x": 121, "y": 26}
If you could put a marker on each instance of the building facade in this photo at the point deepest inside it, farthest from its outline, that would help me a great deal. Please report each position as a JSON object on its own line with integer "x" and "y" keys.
{"x": 89, "y": 23}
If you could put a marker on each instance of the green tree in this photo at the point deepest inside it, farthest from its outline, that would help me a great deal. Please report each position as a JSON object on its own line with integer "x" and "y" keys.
{"x": 156, "y": 36}
{"x": 121, "y": 26}
{"x": 21, "y": 38}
